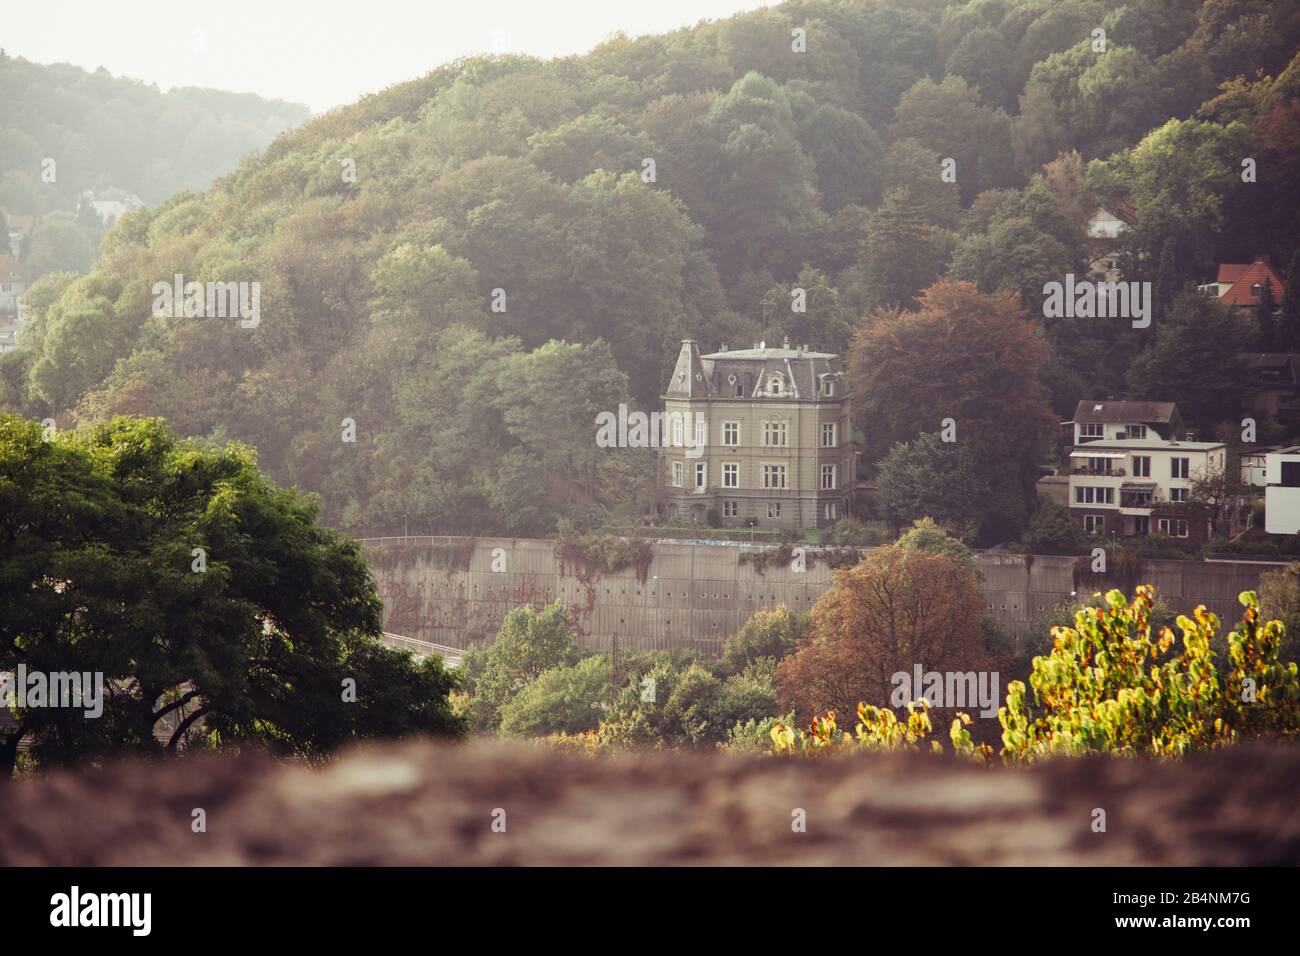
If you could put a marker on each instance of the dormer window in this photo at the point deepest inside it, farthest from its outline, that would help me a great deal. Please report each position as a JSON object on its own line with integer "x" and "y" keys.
{"x": 1257, "y": 290}
{"x": 828, "y": 387}
{"x": 774, "y": 385}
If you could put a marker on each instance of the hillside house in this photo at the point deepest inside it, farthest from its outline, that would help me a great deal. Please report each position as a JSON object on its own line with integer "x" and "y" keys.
{"x": 1242, "y": 284}
{"x": 770, "y": 438}
{"x": 1105, "y": 230}
{"x": 1123, "y": 486}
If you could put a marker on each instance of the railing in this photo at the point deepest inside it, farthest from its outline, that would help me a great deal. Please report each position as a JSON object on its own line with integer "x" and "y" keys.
{"x": 408, "y": 539}
{"x": 450, "y": 655}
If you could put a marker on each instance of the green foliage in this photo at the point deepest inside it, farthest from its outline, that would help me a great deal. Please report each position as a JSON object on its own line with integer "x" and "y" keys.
{"x": 516, "y": 176}
{"x": 928, "y": 536}
{"x": 1109, "y": 686}
{"x": 530, "y": 642}
{"x": 563, "y": 699}
{"x": 929, "y": 478}
{"x": 1053, "y": 530}
{"x": 1197, "y": 333}
{"x": 767, "y": 634}
{"x": 754, "y": 736}
{"x": 249, "y": 640}
{"x": 878, "y": 730}
{"x": 674, "y": 703}
{"x": 849, "y": 532}
{"x": 602, "y": 554}
{"x": 1279, "y": 600}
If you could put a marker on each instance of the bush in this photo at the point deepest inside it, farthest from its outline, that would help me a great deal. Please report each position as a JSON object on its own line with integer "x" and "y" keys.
{"x": 529, "y": 642}
{"x": 1279, "y": 599}
{"x": 1109, "y": 687}
{"x": 754, "y": 736}
{"x": 749, "y": 695}
{"x": 928, "y": 536}
{"x": 682, "y": 703}
{"x": 565, "y": 699}
{"x": 1053, "y": 530}
{"x": 851, "y": 533}
{"x": 767, "y": 634}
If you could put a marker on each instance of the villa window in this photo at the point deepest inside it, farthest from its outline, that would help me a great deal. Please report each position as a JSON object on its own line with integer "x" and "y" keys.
{"x": 730, "y": 509}
{"x": 775, "y": 434}
{"x": 677, "y": 474}
{"x": 731, "y": 433}
{"x": 828, "y": 477}
{"x": 774, "y": 477}
{"x": 828, "y": 435}
{"x": 730, "y": 475}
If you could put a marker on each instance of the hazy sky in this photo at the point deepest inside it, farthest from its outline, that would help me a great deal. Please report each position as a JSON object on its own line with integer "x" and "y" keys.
{"x": 320, "y": 52}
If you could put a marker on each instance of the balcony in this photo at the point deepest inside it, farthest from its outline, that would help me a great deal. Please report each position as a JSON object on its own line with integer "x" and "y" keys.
{"x": 1098, "y": 472}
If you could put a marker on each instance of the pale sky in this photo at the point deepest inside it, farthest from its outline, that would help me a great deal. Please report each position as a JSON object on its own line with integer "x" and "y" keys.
{"x": 321, "y": 52}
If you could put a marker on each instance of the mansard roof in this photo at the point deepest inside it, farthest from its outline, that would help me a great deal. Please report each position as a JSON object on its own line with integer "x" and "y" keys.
{"x": 718, "y": 374}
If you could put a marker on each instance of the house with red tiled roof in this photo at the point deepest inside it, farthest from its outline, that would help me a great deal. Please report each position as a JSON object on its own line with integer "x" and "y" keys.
{"x": 1242, "y": 284}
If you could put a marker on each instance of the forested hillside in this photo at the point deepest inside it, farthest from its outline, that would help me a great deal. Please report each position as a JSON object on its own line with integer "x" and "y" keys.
{"x": 113, "y": 132}
{"x": 471, "y": 265}
{"x": 66, "y": 133}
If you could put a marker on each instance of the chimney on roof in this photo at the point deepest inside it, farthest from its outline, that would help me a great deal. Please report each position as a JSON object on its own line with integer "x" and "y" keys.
{"x": 785, "y": 343}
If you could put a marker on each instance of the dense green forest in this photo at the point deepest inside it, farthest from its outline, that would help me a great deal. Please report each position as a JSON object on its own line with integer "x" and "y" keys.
{"x": 114, "y": 132}
{"x": 471, "y": 265}
{"x": 65, "y": 131}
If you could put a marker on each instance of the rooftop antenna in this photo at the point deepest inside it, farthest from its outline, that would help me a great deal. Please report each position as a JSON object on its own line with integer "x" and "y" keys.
{"x": 769, "y": 305}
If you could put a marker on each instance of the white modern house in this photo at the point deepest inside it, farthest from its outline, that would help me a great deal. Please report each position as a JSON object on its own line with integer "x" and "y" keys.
{"x": 1123, "y": 486}
{"x": 1282, "y": 491}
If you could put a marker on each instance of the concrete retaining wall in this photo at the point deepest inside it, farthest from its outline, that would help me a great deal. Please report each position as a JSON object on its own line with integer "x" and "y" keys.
{"x": 446, "y": 591}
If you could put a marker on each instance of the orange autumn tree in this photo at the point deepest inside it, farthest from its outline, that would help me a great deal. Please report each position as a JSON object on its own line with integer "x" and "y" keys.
{"x": 899, "y": 607}
{"x": 989, "y": 357}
